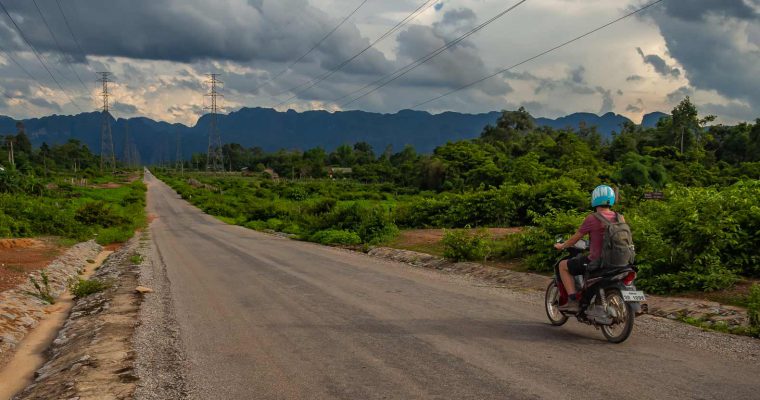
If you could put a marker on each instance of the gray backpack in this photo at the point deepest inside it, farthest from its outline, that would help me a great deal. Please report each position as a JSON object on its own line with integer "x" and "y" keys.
{"x": 617, "y": 249}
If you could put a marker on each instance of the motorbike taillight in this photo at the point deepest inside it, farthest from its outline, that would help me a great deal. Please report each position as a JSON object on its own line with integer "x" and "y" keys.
{"x": 628, "y": 280}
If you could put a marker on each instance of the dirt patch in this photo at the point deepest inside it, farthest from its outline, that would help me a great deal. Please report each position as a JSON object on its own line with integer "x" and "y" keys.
{"x": 417, "y": 237}
{"x": 109, "y": 185}
{"x": 92, "y": 355}
{"x": 19, "y": 257}
{"x": 429, "y": 240}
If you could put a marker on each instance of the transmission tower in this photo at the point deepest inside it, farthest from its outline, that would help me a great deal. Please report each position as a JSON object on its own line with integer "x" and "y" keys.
{"x": 107, "y": 156}
{"x": 179, "y": 162}
{"x": 129, "y": 157}
{"x": 214, "y": 160}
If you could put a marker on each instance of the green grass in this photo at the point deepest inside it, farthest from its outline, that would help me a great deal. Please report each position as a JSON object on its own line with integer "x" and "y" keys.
{"x": 85, "y": 287}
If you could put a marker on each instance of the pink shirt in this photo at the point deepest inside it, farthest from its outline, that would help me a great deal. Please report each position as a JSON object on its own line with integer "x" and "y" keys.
{"x": 595, "y": 229}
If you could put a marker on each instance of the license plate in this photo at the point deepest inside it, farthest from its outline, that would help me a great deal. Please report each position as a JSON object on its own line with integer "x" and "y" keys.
{"x": 633, "y": 295}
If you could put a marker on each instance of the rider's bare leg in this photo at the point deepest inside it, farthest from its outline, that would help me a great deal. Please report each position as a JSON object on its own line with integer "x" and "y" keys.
{"x": 567, "y": 278}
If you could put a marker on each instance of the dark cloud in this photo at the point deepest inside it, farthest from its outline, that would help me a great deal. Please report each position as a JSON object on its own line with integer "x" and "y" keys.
{"x": 608, "y": 103}
{"x": 123, "y": 108}
{"x": 438, "y": 6}
{"x": 637, "y": 107}
{"x": 187, "y": 30}
{"x": 716, "y": 43}
{"x": 699, "y": 10}
{"x": 659, "y": 64}
{"x": 619, "y": 92}
{"x": 42, "y": 103}
{"x": 634, "y": 78}
{"x": 454, "y": 67}
{"x": 679, "y": 94}
{"x": 577, "y": 74}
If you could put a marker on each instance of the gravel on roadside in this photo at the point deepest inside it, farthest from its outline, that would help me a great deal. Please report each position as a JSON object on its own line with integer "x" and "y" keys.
{"x": 160, "y": 361}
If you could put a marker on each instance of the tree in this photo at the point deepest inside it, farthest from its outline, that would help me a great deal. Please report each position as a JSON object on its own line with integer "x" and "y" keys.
{"x": 685, "y": 128}
{"x": 509, "y": 125}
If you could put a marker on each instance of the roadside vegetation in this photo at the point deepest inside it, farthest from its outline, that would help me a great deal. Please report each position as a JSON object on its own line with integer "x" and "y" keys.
{"x": 60, "y": 191}
{"x": 703, "y": 236}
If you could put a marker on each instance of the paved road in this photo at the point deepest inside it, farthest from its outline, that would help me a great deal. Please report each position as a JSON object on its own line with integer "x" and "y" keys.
{"x": 263, "y": 317}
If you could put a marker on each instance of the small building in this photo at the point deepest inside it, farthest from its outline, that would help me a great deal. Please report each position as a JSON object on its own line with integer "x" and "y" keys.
{"x": 273, "y": 175}
{"x": 339, "y": 172}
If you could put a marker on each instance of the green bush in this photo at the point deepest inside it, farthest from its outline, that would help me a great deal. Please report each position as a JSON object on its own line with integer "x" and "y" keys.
{"x": 98, "y": 213}
{"x": 119, "y": 234}
{"x": 85, "y": 287}
{"x": 466, "y": 245}
{"x": 753, "y": 308}
{"x": 334, "y": 236}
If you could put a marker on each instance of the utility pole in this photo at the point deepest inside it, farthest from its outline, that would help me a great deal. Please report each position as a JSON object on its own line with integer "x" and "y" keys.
{"x": 9, "y": 142}
{"x": 107, "y": 157}
{"x": 214, "y": 160}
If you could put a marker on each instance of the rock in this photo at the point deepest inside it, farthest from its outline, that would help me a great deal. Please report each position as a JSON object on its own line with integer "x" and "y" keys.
{"x": 143, "y": 290}
{"x": 10, "y": 339}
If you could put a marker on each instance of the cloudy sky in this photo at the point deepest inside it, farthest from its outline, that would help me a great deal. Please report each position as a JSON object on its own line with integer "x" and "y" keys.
{"x": 159, "y": 51}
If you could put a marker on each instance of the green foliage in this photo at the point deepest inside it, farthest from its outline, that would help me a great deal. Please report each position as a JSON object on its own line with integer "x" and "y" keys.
{"x": 98, "y": 213}
{"x": 85, "y": 287}
{"x": 753, "y": 308}
{"x": 466, "y": 245}
{"x": 42, "y": 288}
{"x": 702, "y": 237}
{"x": 335, "y": 236}
{"x": 135, "y": 259}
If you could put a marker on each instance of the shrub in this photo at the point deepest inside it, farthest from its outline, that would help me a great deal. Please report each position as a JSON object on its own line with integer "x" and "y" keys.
{"x": 536, "y": 243}
{"x": 98, "y": 213}
{"x": 119, "y": 234}
{"x": 753, "y": 308}
{"x": 334, "y": 236}
{"x": 466, "y": 245}
{"x": 85, "y": 287}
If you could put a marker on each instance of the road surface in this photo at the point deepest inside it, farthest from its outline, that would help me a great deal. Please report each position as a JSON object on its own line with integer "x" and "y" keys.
{"x": 263, "y": 317}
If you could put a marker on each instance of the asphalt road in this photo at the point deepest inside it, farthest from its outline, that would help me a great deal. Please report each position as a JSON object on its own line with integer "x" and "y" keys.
{"x": 262, "y": 317}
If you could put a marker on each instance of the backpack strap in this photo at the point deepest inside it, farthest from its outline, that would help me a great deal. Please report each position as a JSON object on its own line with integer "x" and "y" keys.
{"x": 601, "y": 218}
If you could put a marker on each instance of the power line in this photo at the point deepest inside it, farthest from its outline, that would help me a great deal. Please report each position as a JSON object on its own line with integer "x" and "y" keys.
{"x": 58, "y": 44}
{"x": 296, "y": 61}
{"x": 537, "y": 55}
{"x": 426, "y": 5}
{"x": 39, "y": 57}
{"x": 73, "y": 36}
{"x": 416, "y": 63}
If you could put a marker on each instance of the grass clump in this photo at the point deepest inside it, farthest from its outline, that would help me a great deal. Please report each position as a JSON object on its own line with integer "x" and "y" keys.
{"x": 85, "y": 287}
{"x": 42, "y": 288}
{"x": 135, "y": 259}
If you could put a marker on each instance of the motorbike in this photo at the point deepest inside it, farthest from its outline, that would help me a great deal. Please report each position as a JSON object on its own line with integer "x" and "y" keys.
{"x": 608, "y": 297}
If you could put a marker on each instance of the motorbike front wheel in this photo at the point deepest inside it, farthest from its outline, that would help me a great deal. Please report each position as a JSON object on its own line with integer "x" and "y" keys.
{"x": 552, "y": 305}
{"x": 623, "y": 313}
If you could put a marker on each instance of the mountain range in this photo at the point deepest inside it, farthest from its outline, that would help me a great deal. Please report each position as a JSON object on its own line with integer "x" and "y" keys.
{"x": 273, "y": 130}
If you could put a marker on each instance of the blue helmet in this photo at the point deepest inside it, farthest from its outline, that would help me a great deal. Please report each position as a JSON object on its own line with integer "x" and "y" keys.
{"x": 603, "y": 195}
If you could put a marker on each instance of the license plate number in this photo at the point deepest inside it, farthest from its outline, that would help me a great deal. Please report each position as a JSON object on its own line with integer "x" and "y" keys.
{"x": 633, "y": 295}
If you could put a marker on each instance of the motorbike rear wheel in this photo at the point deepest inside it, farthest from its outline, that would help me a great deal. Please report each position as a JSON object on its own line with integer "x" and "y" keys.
{"x": 622, "y": 325}
{"x": 551, "y": 301}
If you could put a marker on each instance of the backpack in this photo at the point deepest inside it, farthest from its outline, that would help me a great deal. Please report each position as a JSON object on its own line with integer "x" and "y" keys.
{"x": 617, "y": 248}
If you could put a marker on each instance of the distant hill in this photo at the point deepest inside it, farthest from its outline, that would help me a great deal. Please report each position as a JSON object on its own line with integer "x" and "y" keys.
{"x": 273, "y": 130}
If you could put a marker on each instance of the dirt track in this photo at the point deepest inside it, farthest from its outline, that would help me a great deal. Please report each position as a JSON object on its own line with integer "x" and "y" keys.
{"x": 264, "y": 317}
